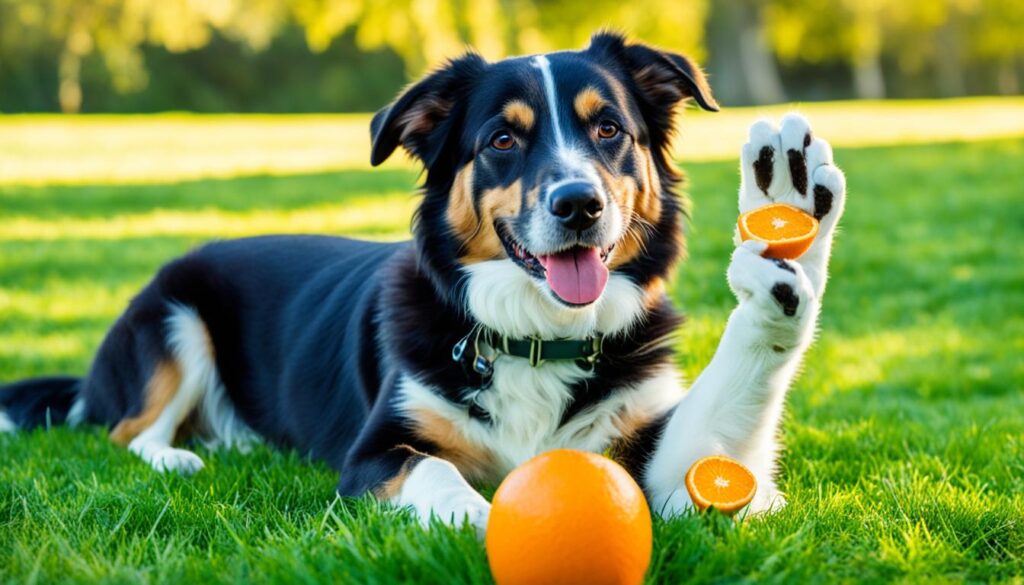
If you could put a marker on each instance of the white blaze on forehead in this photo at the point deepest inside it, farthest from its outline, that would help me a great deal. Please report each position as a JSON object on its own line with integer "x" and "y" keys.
{"x": 575, "y": 166}
{"x": 541, "y": 62}
{"x": 574, "y": 163}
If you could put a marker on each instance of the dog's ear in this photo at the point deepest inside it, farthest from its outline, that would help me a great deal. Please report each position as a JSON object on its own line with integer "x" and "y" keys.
{"x": 422, "y": 116}
{"x": 661, "y": 78}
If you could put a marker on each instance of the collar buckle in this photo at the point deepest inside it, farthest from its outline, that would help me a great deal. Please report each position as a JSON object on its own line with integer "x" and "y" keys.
{"x": 596, "y": 348}
{"x": 536, "y": 351}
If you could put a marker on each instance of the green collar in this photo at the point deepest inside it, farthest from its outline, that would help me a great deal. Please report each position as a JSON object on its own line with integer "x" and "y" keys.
{"x": 485, "y": 345}
{"x": 539, "y": 351}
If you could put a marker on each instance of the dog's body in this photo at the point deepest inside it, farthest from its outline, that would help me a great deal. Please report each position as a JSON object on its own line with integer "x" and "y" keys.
{"x": 548, "y": 214}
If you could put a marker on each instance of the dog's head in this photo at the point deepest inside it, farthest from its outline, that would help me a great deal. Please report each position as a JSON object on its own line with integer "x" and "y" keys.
{"x": 557, "y": 162}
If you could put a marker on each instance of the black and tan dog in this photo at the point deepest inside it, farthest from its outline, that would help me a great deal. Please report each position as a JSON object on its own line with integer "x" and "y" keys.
{"x": 528, "y": 312}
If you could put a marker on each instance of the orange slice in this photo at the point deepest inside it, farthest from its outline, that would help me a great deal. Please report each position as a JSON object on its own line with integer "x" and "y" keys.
{"x": 720, "y": 482}
{"x": 789, "y": 231}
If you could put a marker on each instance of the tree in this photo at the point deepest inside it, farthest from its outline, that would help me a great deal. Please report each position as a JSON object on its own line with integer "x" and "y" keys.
{"x": 425, "y": 32}
{"x": 815, "y": 31}
{"x": 55, "y": 48}
{"x": 742, "y": 64}
{"x": 116, "y": 29}
{"x": 995, "y": 29}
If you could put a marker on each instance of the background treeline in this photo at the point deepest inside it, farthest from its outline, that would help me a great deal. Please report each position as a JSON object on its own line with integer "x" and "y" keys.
{"x": 352, "y": 55}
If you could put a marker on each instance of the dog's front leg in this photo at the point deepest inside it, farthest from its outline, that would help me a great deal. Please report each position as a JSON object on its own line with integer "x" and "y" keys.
{"x": 430, "y": 486}
{"x": 434, "y": 487}
{"x": 395, "y": 465}
{"x": 735, "y": 405}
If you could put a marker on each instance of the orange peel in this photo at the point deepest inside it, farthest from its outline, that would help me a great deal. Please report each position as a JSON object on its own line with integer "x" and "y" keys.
{"x": 788, "y": 231}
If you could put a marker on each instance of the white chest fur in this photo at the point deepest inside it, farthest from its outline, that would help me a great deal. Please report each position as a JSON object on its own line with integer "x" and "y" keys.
{"x": 526, "y": 406}
{"x": 527, "y": 403}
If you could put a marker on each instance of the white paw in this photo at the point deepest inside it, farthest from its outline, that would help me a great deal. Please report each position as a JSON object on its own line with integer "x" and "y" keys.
{"x": 779, "y": 291}
{"x": 678, "y": 502}
{"x": 788, "y": 164}
{"x": 436, "y": 489}
{"x": 454, "y": 511}
{"x": 6, "y": 424}
{"x": 767, "y": 501}
{"x": 174, "y": 460}
{"x": 474, "y": 510}
{"x": 162, "y": 457}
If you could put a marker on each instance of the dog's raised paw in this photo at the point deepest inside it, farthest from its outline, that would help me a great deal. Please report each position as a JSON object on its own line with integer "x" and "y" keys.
{"x": 829, "y": 193}
{"x": 779, "y": 290}
{"x": 786, "y": 297}
{"x": 789, "y": 164}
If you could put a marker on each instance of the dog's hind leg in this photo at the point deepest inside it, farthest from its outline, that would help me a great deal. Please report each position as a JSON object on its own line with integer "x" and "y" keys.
{"x": 175, "y": 388}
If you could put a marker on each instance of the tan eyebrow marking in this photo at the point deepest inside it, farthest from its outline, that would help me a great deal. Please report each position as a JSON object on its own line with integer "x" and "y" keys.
{"x": 519, "y": 113}
{"x": 588, "y": 102}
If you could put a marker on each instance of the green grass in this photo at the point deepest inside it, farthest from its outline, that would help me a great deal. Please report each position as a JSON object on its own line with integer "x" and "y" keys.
{"x": 904, "y": 437}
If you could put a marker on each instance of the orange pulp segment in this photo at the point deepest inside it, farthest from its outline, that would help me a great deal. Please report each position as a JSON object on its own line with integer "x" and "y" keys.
{"x": 789, "y": 231}
{"x": 720, "y": 482}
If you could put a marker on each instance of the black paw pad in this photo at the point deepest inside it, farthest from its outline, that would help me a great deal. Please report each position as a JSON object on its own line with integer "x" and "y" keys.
{"x": 784, "y": 294}
{"x": 783, "y": 264}
{"x": 763, "y": 170}
{"x": 822, "y": 201}
{"x": 798, "y": 170}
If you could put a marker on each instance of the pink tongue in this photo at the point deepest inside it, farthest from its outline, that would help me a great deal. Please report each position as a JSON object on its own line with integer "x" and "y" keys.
{"x": 577, "y": 276}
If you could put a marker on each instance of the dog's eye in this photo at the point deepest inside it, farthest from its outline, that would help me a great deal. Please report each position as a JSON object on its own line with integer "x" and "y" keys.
{"x": 607, "y": 129}
{"x": 503, "y": 141}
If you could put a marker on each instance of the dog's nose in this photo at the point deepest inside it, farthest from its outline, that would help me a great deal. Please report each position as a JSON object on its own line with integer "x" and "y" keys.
{"x": 577, "y": 205}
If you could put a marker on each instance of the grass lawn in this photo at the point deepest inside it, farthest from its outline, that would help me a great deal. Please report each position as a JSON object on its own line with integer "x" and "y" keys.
{"x": 905, "y": 434}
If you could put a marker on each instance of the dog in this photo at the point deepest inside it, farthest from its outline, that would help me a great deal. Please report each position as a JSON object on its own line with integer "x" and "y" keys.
{"x": 527, "y": 313}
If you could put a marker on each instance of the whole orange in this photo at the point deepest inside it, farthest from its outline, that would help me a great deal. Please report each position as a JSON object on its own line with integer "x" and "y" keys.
{"x": 569, "y": 517}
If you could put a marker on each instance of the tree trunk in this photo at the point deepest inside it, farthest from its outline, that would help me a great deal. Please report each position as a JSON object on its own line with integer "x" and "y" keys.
{"x": 948, "y": 66}
{"x": 70, "y": 92}
{"x": 759, "y": 65}
{"x": 868, "y": 81}
{"x": 77, "y": 45}
{"x": 725, "y": 77}
{"x": 1009, "y": 82}
{"x": 741, "y": 66}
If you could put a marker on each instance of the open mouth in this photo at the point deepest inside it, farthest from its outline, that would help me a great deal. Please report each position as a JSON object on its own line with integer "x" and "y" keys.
{"x": 577, "y": 275}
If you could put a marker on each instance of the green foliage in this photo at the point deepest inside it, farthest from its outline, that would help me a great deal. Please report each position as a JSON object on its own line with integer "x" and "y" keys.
{"x": 817, "y": 30}
{"x": 904, "y": 440}
{"x": 123, "y": 47}
{"x": 352, "y": 55}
